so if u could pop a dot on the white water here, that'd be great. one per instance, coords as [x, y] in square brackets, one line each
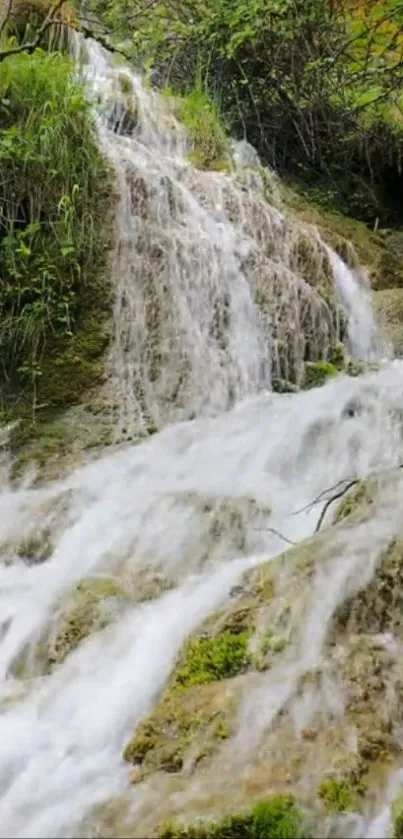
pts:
[362, 332]
[217, 291]
[203, 500]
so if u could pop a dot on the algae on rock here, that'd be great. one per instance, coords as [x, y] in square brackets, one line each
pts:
[185, 727]
[89, 608]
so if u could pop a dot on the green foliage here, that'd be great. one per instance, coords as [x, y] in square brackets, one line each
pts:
[315, 86]
[337, 795]
[277, 817]
[210, 659]
[54, 200]
[201, 117]
[317, 372]
[397, 818]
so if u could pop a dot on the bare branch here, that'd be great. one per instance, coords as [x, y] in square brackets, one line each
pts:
[319, 498]
[275, 533]
[31, 46]
[334, 498]
[349, 485]
[87, 32]
[6, 15]
[78, 26]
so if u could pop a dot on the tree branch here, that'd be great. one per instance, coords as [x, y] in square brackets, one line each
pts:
[6, 15]
[80, 26]
[31, 46]
[87, 32]
[334, 498]
[275, 533]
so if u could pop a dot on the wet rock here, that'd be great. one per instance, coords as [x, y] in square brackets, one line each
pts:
[352, 409]
[283, 386]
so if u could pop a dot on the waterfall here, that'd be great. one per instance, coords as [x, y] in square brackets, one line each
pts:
[213, 299]
[217, 291]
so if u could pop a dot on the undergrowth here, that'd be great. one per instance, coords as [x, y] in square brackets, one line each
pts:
[55, 196]
[200, 114]
[337, 795]
[277, 818]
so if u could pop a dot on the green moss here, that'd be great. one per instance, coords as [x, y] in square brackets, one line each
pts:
[263, 584]
[185, 727]
[193, 715]
[337, 795]
[211, 659]
[277, 817]
[317, 372]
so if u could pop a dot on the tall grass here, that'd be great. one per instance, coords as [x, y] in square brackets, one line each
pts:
[202, 117]
[54, 189]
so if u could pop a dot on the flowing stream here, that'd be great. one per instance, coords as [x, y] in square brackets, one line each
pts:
[225, 484]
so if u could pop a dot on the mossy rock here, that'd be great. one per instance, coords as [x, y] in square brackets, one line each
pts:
[372, 678]
[92, 605]
[192, 716]
[277, 817]
[388, 305]
[91, 609]
[355, 243]
[74, 369]
[378, 607]
[184, 728]
[356, 501]
[209, 659]
[312, 262]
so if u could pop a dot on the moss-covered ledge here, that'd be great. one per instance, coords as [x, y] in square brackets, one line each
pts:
[55, 240]
[351, 239]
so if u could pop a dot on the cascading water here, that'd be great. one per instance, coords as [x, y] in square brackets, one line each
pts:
[217, 291]
[209, 300]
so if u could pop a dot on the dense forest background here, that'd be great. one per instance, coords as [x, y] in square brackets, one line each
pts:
[315, 85]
